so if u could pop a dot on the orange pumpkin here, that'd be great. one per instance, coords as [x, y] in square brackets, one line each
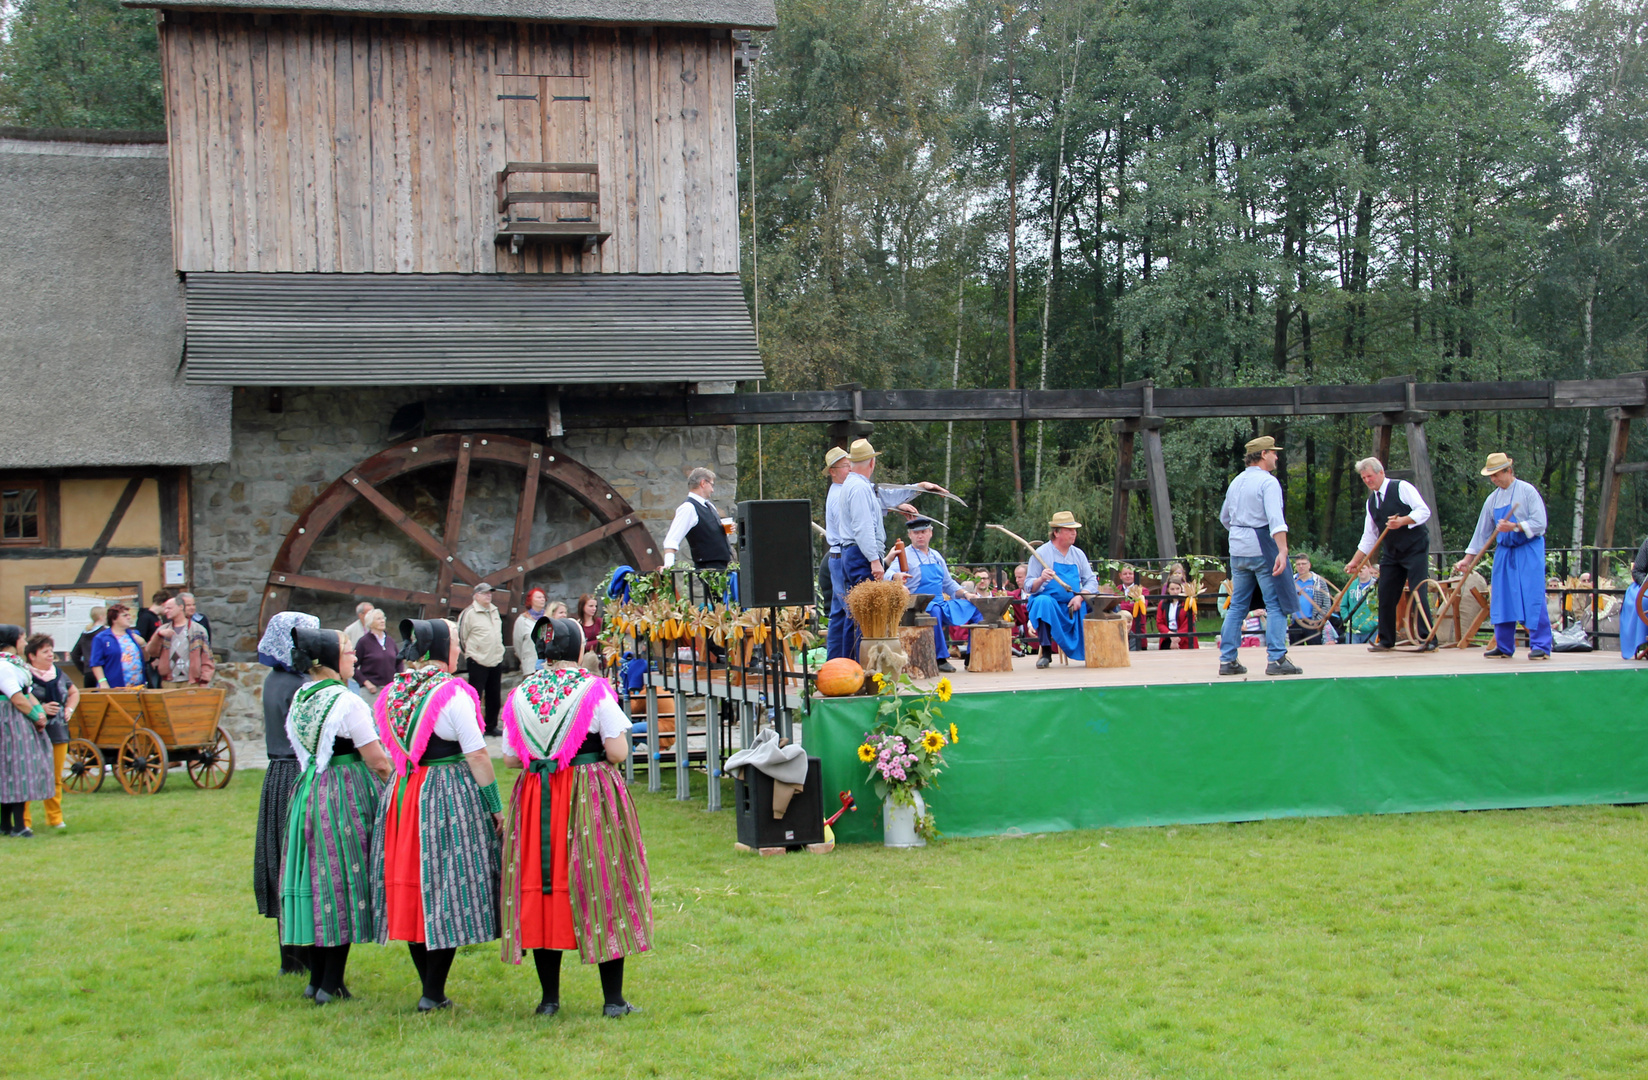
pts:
[840, 677]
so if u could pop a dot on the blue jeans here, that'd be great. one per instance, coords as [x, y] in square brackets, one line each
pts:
[834, 640]
[1249, 572]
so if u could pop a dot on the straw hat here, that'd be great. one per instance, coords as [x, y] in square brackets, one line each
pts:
[1261, 444]
[1495, 463]
[1064, 519]
[831, 456]
[862, 451]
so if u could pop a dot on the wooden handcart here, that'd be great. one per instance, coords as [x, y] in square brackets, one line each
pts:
[144, 734]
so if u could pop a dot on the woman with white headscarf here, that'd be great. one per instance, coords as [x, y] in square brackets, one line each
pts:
[283, 681]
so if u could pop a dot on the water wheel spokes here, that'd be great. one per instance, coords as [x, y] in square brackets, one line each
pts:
[82, 767]
[455, 579]
[142, 763]
[213, 764]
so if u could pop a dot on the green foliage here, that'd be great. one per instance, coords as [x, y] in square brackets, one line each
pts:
[80, 64]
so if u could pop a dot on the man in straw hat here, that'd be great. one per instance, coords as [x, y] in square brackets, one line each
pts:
[858, 540]
[1059, 573]
[931, 574]
[836, 466]
[1514, 513]
[1252, 511]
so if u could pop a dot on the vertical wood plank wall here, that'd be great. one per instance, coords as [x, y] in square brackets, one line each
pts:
[316, 144]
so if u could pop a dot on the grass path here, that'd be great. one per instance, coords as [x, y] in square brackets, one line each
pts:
[1436, 945]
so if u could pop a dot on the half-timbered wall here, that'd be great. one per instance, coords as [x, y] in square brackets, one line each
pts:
[312, 143]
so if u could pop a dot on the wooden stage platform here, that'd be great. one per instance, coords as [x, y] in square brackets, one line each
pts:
[1180, 667]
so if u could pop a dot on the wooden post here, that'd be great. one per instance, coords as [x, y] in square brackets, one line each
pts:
[917, 643]
[1106, 642]
[1118, 499]
[1619, 438]
[1419, 455]
[990, 648]
[1381, 437]
[1155, 465]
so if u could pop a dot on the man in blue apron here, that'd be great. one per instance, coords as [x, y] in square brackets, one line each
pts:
[1252, 512]
[1059, 574]
[1632, 632]
[929, 573]
[1514, 514]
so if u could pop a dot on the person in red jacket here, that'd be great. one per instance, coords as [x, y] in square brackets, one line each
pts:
[1176, 619]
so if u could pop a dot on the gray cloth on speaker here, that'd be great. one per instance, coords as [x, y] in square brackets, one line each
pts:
[786, 764]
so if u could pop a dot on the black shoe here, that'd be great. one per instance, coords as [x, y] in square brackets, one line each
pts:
[946, 666]
[1045, 661]
[493, 733]
[425, 1005]
[1496, 653]
[1376, 647]
[1538, 654]
[1232, 668]
[1284, 666]
[613, 1012]
[311, 991]
[323, 998]
[1431, 646]
[24, 833]
[548, 1008]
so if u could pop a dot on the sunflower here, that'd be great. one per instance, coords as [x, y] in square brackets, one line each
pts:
[944, 689]
[880, 680]
[932, 741]
[953, 736]
[866, 753]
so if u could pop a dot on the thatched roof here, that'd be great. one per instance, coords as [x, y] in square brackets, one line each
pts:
[752, 14]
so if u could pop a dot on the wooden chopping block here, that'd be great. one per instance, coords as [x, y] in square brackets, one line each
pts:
[990, 648]
[917, 643]
[1106, 641]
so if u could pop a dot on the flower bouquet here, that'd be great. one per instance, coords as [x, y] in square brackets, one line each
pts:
[905, 753]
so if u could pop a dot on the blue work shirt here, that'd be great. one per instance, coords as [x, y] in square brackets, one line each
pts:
[861, 512]
[1253, 501]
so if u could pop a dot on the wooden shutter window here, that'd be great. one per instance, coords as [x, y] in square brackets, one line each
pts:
[22, 513]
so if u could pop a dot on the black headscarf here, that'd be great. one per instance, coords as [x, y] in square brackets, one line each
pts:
[426, 639]
[10, 635]
[558, 639]
[311, 646]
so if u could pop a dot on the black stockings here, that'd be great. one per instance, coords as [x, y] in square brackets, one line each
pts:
[11, 817]
[548, 962]
[326, 964]
[294, 959]
[433, 967]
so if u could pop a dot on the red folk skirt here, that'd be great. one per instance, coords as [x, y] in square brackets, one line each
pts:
[545, 919]
[403, 860]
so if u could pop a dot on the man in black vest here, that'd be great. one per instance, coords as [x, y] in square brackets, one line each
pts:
[699, 524]
[1404, 557]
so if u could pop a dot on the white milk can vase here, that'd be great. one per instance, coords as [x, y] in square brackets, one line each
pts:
[898, 823]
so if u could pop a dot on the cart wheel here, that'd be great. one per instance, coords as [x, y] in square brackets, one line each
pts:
[82, 767]
[142, 764]
[1419, 628]
[213, 763]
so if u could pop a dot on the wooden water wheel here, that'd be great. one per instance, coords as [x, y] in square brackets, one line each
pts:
[453, 578]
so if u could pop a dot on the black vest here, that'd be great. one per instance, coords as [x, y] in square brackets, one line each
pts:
[1402, 544]
[708, 540]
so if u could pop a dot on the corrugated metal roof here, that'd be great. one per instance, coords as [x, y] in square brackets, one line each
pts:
[432, 329]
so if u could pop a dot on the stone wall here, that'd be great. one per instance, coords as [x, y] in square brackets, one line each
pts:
[280, 461]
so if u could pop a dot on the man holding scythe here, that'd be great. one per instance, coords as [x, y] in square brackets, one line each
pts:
[1396, 512]
[1513, 516]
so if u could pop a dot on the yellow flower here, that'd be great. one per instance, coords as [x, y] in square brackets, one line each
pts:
[880, 680]
[866, 753]
[953, 736]
[932, 741]
[944, 689]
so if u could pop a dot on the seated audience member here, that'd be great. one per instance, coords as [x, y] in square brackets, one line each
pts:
[1176, 619]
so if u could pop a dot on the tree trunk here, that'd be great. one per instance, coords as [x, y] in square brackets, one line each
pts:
[1584, 422]
[1013, 267]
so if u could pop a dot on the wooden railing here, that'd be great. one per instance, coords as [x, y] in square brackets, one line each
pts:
[583, 229]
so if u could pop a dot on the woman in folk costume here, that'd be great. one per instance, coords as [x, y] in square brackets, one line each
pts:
[25, 751]
[435, 848]
[325, 888]
[575, 870]
[274, 651]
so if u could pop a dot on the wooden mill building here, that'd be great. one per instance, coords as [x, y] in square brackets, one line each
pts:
[368, 320]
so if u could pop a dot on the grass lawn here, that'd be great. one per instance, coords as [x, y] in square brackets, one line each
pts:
[1435, 945]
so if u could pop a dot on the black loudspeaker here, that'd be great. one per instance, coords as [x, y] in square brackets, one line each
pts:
[775, 553]
[803, 820]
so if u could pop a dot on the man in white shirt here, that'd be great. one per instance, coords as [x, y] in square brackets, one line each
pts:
[699, 524]
[358, 629]
[1404, 557]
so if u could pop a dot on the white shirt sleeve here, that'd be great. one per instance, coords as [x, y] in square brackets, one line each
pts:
[686, 516]
[459, 722]
[1409, 494]
[1370, 531]
[611, 720]
[357, 720]
[11, 680]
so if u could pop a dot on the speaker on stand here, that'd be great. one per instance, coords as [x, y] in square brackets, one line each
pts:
[775, 553]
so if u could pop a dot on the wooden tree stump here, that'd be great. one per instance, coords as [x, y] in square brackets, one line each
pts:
[990, 648]
[917, 643]
[1106, 641]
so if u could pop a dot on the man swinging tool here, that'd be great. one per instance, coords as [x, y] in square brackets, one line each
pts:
[1513, 516]
[1397, 512]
